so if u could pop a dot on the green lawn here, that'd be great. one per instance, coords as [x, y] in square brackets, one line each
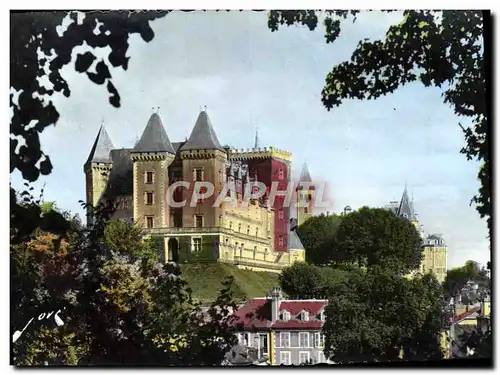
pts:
[206, 280]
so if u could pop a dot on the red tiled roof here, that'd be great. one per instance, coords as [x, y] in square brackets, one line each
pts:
[295, 307]
[298, 324]
[256, 314]
[465, 314]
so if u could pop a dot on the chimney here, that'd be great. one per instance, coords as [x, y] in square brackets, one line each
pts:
[276, 297]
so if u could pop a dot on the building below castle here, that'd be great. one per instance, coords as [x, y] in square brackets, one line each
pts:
[434, 248]
[136, 182]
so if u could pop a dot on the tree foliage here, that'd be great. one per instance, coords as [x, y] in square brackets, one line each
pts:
[316, 235]
[379, 316]
[458, 277]
[376, 237]
[306, 281]
[119, 305]
[443, 49]
[37, 50]
[300, 281]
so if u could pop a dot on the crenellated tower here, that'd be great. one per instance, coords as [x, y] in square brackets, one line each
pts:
[151, 158]
[305, 196]
[97, 168]
[268, 165]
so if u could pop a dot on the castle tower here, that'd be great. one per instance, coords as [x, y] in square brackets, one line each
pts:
[407, 210]
[203, 159]
[151, 157]
[97, 168]
[305, 196]
[271, 165]
[435, 257]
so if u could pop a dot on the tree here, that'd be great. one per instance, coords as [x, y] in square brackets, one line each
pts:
[316, 235]
[300, 281]
[443, 49]
[379, 316]
[458, 277]
[376, 237]
[305, 281]
[121, 306]
[34, 37]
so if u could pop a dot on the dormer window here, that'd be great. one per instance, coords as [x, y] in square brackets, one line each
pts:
[322, 315]
[304, 316]
[284, 315]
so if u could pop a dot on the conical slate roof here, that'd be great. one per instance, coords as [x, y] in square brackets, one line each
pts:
[406, 207]
[154, 138]
[305, 176]
[203, 135]
[100, 152]
[294, 241]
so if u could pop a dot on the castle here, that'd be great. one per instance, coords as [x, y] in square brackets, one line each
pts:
[261, 236]
[435, 250]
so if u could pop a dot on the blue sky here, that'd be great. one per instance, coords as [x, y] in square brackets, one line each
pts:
[248, 76]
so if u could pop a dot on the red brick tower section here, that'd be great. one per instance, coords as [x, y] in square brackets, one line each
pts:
[270, 165]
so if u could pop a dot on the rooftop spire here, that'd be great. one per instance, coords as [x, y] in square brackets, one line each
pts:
[406, 207]
[203, 135]
[100, 152]
[305, 176]
[154, 138]
[257, 137]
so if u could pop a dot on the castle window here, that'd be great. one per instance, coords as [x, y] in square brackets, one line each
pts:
[280, 214]
[178, 219]
[280, 240]
[198, 174]
[149, 198]
[230, 225]
[176, 175]
[309, 197]
[254, 251]
[201, 194]
[196, 244]
[281, 174]
[149, 177]
[198, 221]
[239, 227]
[305, 210]
[248, 230]
[149, 222]
[256, 232]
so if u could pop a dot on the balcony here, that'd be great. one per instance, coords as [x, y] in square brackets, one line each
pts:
[258, 263]
[208, 230]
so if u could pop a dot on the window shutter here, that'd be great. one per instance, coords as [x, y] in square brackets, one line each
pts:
[145, 198]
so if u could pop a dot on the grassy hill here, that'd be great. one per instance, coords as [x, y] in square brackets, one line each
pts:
[206, 280]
